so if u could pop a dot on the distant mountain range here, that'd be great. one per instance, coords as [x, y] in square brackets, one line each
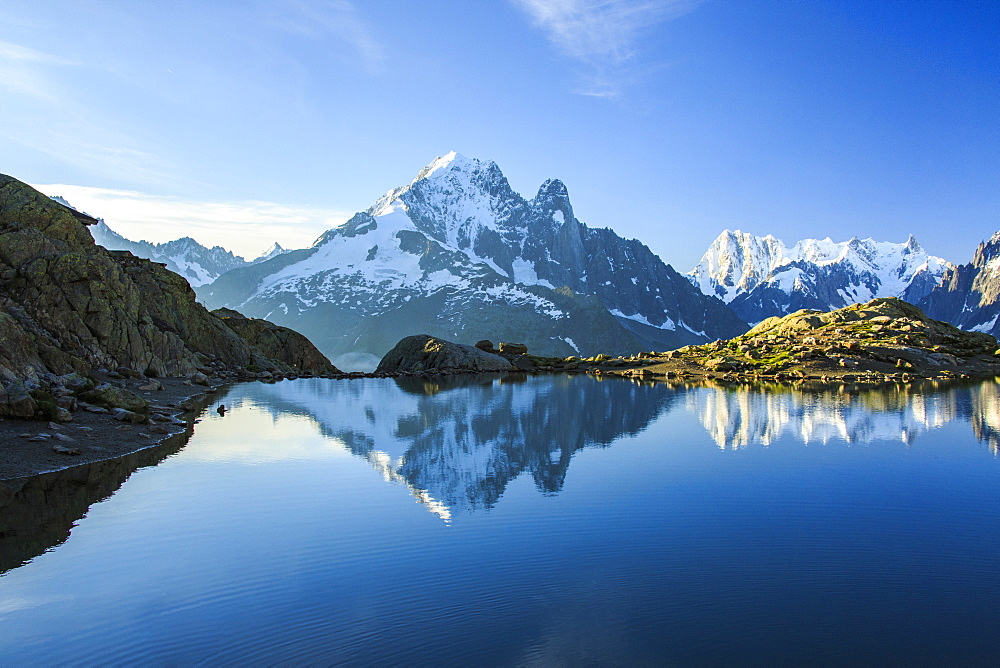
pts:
[760, 277]
[185, 256]
[459, 255]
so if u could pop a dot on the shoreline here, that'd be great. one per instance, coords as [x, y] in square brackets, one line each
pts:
[100, 438]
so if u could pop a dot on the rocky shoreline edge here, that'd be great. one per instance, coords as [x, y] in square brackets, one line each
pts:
[174, 410]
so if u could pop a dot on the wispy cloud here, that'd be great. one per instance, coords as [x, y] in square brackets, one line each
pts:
[46, 114]
[245, 227]
[337, 19]
[603, 35]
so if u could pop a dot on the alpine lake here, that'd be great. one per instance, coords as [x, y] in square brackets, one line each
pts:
[524, 520]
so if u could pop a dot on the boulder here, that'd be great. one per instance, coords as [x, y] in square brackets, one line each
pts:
[722, 364]
[113, 397]
[514, 348]
[16, 402]
[486, 345]
[427, 353]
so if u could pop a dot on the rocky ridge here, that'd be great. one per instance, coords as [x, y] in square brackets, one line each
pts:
[72, 313]
[885, 339]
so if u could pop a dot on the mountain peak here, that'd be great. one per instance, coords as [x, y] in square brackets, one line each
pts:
[552, 188]
[447, 162]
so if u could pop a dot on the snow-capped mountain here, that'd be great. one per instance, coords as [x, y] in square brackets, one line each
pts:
[761, 277]
[185, 256]
[458, 254]
[273, 251]
[969, 294]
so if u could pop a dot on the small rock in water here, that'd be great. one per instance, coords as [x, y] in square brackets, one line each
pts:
[63, 450]
[40, 438]
[221, 410]
[65, 438]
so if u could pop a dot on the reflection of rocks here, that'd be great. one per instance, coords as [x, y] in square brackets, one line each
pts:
[741, 416]
[38, 513]
[458, 441]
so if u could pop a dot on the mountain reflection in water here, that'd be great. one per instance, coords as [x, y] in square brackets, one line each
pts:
[456, 442]
[739, 417]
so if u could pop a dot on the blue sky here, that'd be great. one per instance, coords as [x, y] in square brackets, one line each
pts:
[245, 122]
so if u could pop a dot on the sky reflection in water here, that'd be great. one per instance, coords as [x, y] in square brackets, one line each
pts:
[695, 525]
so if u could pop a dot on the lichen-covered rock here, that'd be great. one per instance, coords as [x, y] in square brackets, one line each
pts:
[514, 348]
[426, 353]
[722, 364]
[279, 343]
[880, 336]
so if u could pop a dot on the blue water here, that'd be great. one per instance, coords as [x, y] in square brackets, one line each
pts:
[548, 521]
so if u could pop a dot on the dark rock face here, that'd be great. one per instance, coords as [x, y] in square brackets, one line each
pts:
[68, 305]
[279, 343]
[969, 295]
[426, 353]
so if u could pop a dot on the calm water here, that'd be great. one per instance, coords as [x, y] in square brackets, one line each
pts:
[546, 521]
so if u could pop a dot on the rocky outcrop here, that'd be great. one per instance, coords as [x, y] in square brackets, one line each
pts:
[422, 353]
[68, 306]
[279, 343]
[884, 337]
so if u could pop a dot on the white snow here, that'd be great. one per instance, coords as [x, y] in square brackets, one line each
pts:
[737, 262]
[524, 273]
[987, 326]
[570, 342]
[668, 324]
